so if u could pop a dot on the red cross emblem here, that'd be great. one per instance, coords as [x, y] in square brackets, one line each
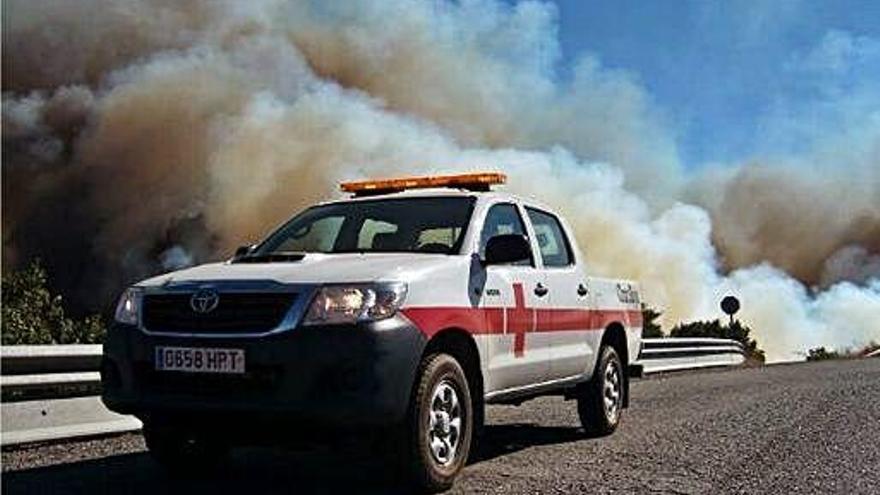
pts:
[519, 320]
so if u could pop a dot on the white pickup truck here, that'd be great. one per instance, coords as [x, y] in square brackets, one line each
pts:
[401, 310]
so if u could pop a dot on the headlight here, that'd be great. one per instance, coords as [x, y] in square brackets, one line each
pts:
[340, 304]
[129, 305]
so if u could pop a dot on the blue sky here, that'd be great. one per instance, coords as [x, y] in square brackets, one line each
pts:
[736, 79]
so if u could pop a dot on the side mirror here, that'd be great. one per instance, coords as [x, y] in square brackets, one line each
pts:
[242, 251]
[507, 248]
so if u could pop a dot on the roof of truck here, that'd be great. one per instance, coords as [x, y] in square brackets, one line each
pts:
[444, 192]
[476, 185]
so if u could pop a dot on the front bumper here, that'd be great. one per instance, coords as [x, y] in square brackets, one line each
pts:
[342, 376]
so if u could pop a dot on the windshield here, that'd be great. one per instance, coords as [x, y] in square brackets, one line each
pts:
[423, 225]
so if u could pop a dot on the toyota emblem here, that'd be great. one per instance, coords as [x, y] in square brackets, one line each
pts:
[204, 301]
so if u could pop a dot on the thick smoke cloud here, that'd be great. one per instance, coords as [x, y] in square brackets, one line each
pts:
[142, 137]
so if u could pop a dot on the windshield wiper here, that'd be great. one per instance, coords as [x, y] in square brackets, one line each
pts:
[279, 257]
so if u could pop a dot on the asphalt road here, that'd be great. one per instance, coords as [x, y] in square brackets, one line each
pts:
[806, 428]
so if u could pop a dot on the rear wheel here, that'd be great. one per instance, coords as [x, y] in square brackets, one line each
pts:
[440, 424]
[183, 451]
[600, 402]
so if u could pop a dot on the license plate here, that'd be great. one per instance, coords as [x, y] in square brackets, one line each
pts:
[200, 360]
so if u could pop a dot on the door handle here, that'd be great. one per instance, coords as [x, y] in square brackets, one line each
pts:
[541, 290]
[582, 290]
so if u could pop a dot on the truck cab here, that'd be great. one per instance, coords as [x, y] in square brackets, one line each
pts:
[404, 308]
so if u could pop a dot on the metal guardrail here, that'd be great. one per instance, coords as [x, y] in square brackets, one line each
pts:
[51, 392]
[674, 354]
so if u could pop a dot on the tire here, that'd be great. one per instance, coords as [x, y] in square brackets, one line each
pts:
[182, 451]
[600, 402]
[437, 444]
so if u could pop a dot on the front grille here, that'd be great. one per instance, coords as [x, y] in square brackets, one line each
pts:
[236, 312]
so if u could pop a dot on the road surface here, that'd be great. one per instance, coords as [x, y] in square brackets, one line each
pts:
[804, 428]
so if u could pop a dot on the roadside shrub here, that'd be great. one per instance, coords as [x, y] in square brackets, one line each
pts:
[650, 327]
[871, 347]
[824, 354]
[714, 328]
[32, 315]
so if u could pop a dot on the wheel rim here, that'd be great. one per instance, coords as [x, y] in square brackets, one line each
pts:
[445, 423]
[612, 390]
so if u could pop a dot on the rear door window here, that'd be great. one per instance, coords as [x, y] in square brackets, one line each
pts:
[552, 241]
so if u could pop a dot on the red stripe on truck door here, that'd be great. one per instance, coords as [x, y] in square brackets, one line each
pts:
[431, 320]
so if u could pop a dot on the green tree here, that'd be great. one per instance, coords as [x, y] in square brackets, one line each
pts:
[650, 328]
[32, 315]
[714, 328]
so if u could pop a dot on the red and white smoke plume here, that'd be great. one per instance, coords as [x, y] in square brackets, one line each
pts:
[146, 136]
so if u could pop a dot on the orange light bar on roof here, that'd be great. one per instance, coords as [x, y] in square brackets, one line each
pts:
[471, 182]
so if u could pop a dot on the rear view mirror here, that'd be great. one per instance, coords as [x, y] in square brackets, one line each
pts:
[507, 248]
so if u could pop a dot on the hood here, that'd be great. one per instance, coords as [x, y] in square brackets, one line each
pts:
[318, 268]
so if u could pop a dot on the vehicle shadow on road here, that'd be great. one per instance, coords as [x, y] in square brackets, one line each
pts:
[500, 440]
[262, 471]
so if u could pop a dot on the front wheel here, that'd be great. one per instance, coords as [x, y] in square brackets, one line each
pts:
[440, 424]
[600, 402]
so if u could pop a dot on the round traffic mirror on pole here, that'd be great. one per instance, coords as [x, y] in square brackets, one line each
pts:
[730, 305]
